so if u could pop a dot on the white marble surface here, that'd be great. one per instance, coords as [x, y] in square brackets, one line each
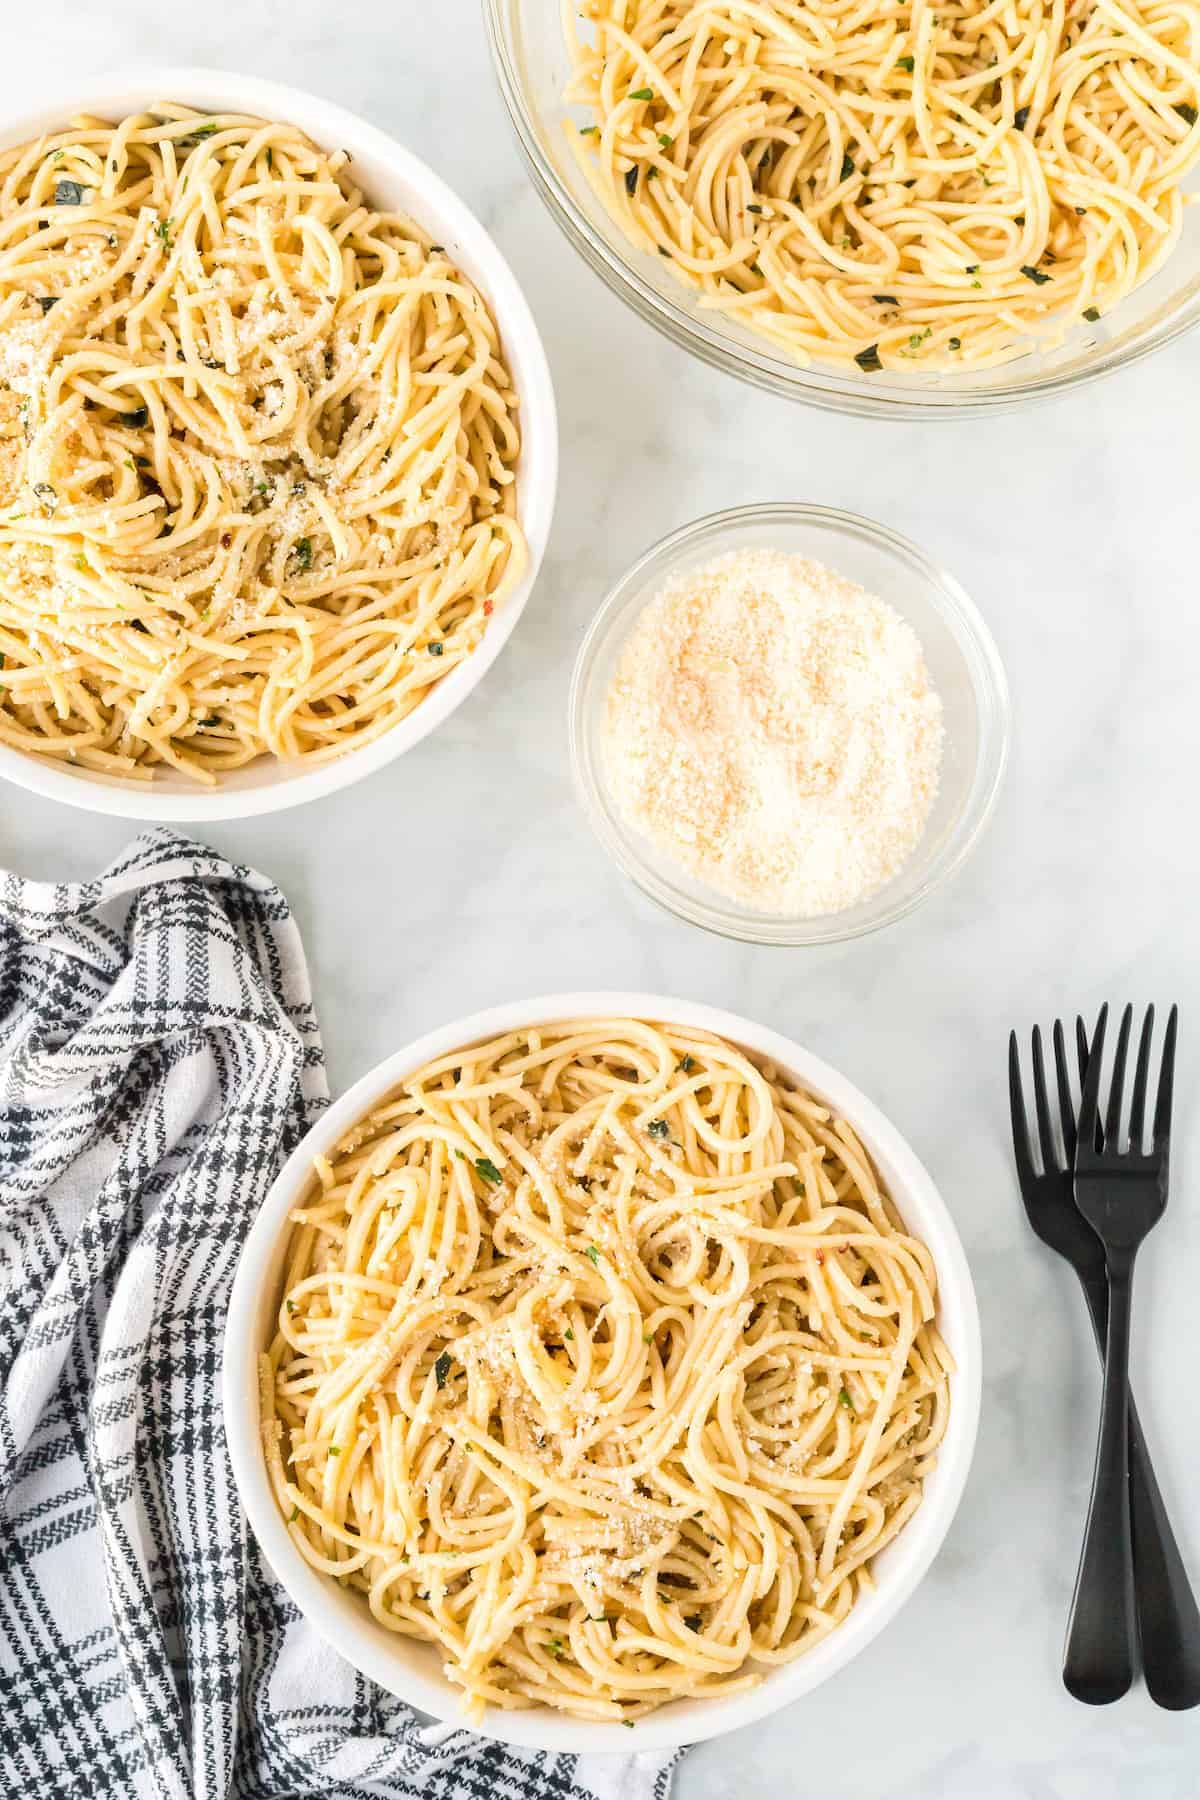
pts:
[464, 874]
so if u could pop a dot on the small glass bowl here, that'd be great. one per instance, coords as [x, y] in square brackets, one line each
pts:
[964, 667]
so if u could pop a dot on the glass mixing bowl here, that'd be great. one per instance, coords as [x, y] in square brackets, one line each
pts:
[532, 64]
[964, 666]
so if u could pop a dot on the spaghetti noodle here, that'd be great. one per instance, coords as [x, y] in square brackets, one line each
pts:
[257, 450]
[909, 184]
[604, 1363]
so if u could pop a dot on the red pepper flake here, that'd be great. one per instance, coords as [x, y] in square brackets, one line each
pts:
[489, 608]
[821, 1258]
[226, 539]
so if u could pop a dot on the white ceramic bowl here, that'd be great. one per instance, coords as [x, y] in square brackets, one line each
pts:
[390, 177]
[411, 1669]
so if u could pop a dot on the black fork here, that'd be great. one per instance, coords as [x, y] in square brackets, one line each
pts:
[1167, 1614]
[1121, 1190]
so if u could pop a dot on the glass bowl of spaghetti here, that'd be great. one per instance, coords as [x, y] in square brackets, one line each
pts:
[528, 1317]
[908, 214]
[279, 448]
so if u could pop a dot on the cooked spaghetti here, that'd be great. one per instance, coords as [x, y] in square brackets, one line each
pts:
[906, 184]
[257, 450]
[604, 1362]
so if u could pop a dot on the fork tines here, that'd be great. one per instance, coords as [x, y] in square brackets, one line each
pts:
[1115, 1144]
[1053, 1160]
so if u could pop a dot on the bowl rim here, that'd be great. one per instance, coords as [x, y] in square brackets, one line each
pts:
[327, 121]
[810, 384]
[985, 667]
[914, 1551]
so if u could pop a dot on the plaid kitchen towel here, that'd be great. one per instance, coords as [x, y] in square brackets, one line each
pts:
[159, 1055]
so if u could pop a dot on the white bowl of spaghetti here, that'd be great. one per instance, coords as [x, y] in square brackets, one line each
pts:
[621, 1361]
[278, 448]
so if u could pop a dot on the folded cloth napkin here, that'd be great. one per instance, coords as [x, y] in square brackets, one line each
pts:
[159, 1055]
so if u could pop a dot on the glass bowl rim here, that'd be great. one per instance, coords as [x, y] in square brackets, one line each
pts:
[985, 670]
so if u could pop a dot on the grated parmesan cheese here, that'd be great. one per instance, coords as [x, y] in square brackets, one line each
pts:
[772, 728]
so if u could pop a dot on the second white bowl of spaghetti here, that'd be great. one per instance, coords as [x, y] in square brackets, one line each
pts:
[603, 1372]
[278, 449]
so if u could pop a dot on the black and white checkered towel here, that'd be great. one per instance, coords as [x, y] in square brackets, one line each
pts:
[159, 1054]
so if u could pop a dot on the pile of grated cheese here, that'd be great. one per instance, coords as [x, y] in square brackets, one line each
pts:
[772, 728]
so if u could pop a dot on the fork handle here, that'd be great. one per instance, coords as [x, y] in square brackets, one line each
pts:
[1100, 1656]
[1168, 1617]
